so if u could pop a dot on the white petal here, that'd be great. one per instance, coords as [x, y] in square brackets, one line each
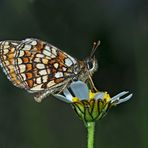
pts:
[124, 99]
[68, 95]
[80, 90]
[62, 98]
[99, 95]
[117, 99]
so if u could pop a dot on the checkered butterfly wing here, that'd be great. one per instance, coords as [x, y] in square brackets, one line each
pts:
[7, 53]
[38, 66]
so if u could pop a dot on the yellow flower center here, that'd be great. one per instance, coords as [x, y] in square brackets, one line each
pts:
[106, 97]
[75, 99]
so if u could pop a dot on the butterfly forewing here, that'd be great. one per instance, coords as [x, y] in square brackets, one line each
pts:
[40, 66]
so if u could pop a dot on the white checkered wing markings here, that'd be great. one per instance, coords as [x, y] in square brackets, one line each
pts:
[7, 53]
[49, 66]
[24, 62]
[53, 61]
[59, 67]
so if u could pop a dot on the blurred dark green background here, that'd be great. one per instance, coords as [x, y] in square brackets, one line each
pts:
[122, 27]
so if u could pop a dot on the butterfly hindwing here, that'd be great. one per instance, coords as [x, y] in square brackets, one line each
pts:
[7, 54]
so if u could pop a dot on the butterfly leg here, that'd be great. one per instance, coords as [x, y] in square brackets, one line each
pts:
[62, 89]
[39, 96]
[92, 85]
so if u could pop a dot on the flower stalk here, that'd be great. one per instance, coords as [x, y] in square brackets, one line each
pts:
[90, 134]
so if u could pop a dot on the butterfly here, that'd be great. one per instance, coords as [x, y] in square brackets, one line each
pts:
[41, 68]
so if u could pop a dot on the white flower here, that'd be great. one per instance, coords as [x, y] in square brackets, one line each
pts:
[89, 105]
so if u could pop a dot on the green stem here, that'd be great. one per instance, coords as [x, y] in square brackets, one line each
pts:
[90, 132]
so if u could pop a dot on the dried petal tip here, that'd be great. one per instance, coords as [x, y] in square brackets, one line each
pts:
[117, 99]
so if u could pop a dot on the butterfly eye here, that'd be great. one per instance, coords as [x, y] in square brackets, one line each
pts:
[90, 64]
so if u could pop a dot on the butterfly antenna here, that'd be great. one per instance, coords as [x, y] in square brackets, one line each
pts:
[95, 46]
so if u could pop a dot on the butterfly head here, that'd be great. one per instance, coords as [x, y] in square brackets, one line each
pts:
[91, 65]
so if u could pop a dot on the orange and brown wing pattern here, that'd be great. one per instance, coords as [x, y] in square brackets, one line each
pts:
[7, 54]
[40, 66]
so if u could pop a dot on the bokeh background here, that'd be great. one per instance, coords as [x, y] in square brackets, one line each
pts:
[122, 27]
